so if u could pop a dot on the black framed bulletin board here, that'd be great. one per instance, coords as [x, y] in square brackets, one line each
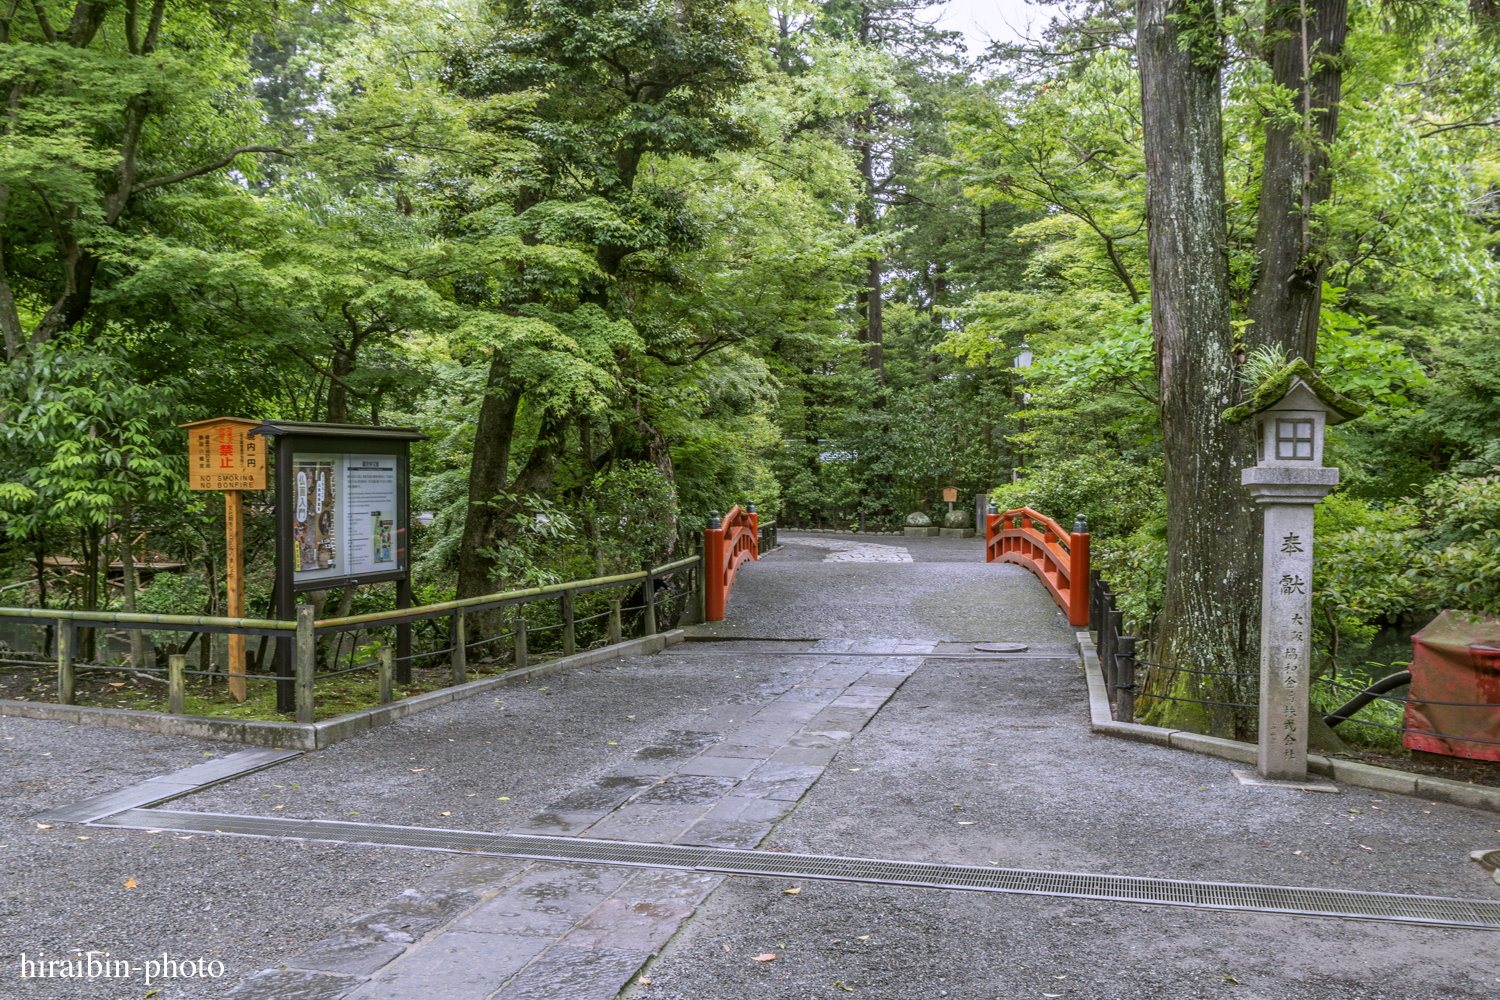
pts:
[343, 519]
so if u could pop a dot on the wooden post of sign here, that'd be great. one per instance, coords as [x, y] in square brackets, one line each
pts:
[223, 455]
[234, 550]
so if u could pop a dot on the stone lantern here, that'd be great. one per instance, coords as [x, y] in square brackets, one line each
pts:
[1291, 410]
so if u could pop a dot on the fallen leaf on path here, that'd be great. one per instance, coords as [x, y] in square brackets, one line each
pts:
[856, 769]
[188, 837]
[1363, 847]
[1059, 977]
[445, 814]
[967, 822]
[644, 981]
[1297, 853]
[863, 937]
[792, 892]
[1231, 979]
[44, 826]
[416, 770]
[278, 807]
[130, 883]
[85, 838]
[1333, 862]
[767, 957]
[727, 948]
[503, 798]
[841, 986]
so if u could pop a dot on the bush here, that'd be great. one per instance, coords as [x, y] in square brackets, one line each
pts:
[1115, 497]
[1135, 567]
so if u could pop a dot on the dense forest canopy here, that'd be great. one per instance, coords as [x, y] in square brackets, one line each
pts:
[630, 261]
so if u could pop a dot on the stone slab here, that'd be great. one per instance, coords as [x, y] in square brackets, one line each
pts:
[725, 833]
[1137, 732]
[570, 973]
[1253, 778]
[658, 824]
[561, 824]
[456, 965]
[633, 925]
[544, 902]
[813, 757]
[1240, 753]
[1459, 793]
[739, 750]
[412, 914]
[1382, 779]
[293, 984]
[352, 958]
[723, 767]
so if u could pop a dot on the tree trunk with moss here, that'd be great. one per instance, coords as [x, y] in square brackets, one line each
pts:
[1212, 578]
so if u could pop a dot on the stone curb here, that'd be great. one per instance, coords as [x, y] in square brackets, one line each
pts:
[301, 736]
[1380, 779]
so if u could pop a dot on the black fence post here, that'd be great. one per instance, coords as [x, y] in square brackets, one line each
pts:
[1096, 591]
[1125, 670]
[1114, 619]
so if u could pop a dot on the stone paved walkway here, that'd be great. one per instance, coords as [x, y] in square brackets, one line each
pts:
[970, 761]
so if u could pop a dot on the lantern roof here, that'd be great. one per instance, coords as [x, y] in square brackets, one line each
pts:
[1296, 379]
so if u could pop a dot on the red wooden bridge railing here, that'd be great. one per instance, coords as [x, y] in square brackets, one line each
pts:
[1059, 559]
[727, 543]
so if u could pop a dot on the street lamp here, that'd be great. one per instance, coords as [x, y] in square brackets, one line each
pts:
[1021, 363]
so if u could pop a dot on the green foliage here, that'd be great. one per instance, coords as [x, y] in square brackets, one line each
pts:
[542, 527]
[1135, 567]
[1114, 497]
[89, 439]
[631, 511]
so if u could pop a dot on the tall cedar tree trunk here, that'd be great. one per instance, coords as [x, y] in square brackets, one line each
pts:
[1211, 551]
[867, 301]
[1307, 61]
[487, 477]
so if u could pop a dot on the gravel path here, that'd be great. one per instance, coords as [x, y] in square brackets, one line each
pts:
[985, 762]
[991, 763]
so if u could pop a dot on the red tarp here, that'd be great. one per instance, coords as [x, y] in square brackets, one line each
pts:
[1456, 658]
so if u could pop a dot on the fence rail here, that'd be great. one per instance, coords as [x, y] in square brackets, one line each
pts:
[1059, 559]
[296, 686]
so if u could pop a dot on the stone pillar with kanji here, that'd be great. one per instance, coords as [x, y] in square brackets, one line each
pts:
[1291, 410]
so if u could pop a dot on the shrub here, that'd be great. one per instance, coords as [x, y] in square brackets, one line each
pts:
[1115, 497]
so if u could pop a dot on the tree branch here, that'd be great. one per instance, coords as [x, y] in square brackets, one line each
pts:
[207, 167]
[46, 25]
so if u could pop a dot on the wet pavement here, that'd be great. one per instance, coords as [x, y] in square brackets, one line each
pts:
[980, 761]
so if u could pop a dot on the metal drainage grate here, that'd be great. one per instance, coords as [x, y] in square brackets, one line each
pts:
[1432, 910]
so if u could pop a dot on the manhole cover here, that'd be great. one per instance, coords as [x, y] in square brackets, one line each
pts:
[1000, 647]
